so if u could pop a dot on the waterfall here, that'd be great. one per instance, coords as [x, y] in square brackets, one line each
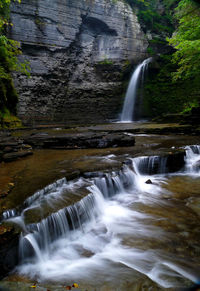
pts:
[131, 94]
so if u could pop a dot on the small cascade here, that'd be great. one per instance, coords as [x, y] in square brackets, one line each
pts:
[131, 94]
[50, 190]
[9, 214]
[57, 225]
[61, 223]
[192, 159]
[150, 165]
[89, 236]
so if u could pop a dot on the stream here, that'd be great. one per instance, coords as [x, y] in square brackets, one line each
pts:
[128, 222]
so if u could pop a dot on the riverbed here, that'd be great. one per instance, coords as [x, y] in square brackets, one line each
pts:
[130, 234]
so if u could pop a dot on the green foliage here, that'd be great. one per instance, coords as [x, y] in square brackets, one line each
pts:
[151, 17]
[9, 49]
[186, 40]
[150, 51]
[9, 52]
[4, 13]
[164, 96]
[187, 107]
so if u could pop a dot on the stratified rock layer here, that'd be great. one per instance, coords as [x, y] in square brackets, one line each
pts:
[78, 52]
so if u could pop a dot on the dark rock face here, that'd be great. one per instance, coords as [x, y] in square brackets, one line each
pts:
[80, 140]
[77, 51]
[9, 242]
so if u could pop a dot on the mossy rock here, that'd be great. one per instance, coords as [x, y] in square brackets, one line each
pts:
[8, 120]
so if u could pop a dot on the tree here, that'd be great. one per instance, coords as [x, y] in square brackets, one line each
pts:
[186, 40]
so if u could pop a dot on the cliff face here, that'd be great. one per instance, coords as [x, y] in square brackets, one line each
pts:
[78, 50]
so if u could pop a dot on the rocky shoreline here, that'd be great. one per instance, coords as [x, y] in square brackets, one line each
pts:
[98, 136]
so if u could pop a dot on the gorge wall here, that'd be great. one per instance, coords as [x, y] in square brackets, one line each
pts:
[78, 51]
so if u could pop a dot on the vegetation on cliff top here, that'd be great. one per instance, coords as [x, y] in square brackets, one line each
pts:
[155, 15]
[180, 21]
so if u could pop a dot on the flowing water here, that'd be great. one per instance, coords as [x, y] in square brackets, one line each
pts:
[131, 94]
[138, 223]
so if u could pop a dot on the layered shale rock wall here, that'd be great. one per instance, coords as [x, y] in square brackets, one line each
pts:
[78, 51]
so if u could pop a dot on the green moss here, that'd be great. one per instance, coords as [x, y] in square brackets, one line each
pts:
[126, 64]
[8, 120]
[40, 23]
[105, 62]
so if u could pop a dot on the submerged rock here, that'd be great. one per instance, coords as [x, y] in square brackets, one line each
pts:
[9, 157]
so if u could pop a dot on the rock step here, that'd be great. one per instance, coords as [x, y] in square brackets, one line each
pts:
[80, 141]
[12, 148]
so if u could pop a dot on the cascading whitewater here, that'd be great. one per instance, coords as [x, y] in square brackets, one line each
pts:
[151, 165]
[192, 159]
[60, 224]
[54, 248]
[50, 190]
[131, 94]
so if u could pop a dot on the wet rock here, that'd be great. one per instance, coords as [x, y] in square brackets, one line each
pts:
[8, 149]
[148, 181]
[80, 140]
[128, 162]
[175, 161]
[12, 148]
[73, 175]
[9, 240]
[4, 192]
[194, 204]
[9, 157]
[1, 155]
[94, 175]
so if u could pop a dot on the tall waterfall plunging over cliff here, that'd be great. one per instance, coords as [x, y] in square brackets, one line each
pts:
[67, 50]
[131, 94]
